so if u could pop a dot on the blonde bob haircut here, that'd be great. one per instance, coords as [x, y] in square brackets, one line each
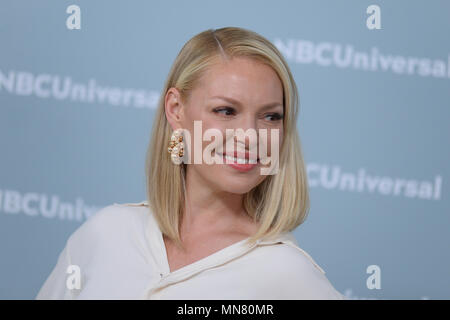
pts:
[280, 203]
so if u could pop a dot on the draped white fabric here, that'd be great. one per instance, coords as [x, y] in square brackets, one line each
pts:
[121, 255]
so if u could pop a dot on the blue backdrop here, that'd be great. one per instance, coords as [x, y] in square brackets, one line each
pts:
[76, 109]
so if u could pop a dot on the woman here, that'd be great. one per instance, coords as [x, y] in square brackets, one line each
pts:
[208, 230]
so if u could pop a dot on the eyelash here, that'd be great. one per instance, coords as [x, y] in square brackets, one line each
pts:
[228, 109]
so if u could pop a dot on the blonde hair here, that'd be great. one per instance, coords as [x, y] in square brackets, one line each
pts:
[281, 202]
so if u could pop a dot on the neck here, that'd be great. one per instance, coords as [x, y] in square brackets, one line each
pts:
[207, 209]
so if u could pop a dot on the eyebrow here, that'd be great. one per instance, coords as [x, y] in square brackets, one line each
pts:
[236, 102]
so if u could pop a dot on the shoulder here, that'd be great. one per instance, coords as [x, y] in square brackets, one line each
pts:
[109, 224]
[296, 273]
[291, 259]
[115, 216]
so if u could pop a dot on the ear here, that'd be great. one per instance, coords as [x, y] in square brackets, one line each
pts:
[173, 108]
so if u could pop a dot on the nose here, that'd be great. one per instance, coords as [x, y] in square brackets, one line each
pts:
[246, 132]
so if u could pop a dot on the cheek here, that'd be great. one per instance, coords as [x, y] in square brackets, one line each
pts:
[213, 137]
[277, 137]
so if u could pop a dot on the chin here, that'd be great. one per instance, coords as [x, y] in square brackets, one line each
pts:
[237, 184]
[222, 178]
[236, 189]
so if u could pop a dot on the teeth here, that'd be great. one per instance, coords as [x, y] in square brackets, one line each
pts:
[239, 160]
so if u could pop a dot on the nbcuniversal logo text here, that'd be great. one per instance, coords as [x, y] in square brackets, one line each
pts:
[34, 204]
[333, 177]
[23, 83]
[340, 55]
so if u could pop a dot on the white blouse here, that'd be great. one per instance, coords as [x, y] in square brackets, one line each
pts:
[119, 253]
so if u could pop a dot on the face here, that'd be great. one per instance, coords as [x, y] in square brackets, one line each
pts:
[238, 94]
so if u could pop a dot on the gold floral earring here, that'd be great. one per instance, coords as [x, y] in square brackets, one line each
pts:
[176, 146]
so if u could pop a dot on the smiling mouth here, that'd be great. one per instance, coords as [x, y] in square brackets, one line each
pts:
[238, 160]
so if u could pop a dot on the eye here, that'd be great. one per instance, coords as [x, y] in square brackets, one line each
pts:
[274, 116]
[227, 111]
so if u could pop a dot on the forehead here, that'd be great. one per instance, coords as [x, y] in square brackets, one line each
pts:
[247, 80]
